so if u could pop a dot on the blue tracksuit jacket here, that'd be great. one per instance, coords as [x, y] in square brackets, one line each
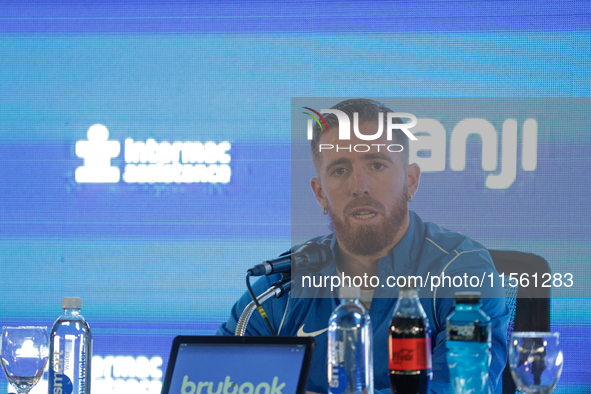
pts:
[426, 249]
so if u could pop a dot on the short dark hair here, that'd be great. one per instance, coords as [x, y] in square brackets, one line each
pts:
[368, 112]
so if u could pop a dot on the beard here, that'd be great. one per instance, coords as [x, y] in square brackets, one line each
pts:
[370, 240]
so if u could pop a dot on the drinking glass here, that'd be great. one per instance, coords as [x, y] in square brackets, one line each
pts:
[24, 355]
[536, 360]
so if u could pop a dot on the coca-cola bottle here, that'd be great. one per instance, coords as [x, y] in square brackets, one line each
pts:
[409, 345]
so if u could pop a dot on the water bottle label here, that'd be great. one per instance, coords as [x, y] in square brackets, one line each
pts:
[339, 380]
[59, 382]
[468, 332]
[409, 354]
[67, 387]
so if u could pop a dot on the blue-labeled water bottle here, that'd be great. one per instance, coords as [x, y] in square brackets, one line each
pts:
[468, 343]
[70, 351]
[350, 351]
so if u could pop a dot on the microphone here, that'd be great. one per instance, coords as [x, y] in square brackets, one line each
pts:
[311, 256]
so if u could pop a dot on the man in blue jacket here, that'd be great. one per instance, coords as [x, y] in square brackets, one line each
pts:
[366, 193]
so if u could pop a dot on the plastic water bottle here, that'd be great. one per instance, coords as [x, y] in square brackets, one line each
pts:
[468, 343]
[350, 351]
[70, 351]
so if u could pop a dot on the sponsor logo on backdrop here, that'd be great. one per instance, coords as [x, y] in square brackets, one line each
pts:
[119, 375]
[151, 161]
[430, 151]
[127, 374]
[429, 145]
[97, 153]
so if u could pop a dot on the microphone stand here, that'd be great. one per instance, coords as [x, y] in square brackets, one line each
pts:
[277, 290]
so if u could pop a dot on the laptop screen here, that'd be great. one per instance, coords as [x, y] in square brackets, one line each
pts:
[237, 368]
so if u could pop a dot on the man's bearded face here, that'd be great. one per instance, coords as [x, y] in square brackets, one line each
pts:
[369, 240]
[366, 192]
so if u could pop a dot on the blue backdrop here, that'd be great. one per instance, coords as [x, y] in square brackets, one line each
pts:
[156, 259]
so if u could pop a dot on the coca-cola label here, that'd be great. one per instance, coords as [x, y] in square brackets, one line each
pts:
[409, 354]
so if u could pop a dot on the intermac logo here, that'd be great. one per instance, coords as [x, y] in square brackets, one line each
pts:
[152, 161]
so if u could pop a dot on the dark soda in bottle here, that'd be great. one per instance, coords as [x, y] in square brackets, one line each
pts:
[409, 346]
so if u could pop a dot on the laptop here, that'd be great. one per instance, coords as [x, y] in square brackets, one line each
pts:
[238, 365]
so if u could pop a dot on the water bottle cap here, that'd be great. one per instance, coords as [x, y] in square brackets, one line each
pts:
[467, 297]
[349, 292]
[72, 303]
